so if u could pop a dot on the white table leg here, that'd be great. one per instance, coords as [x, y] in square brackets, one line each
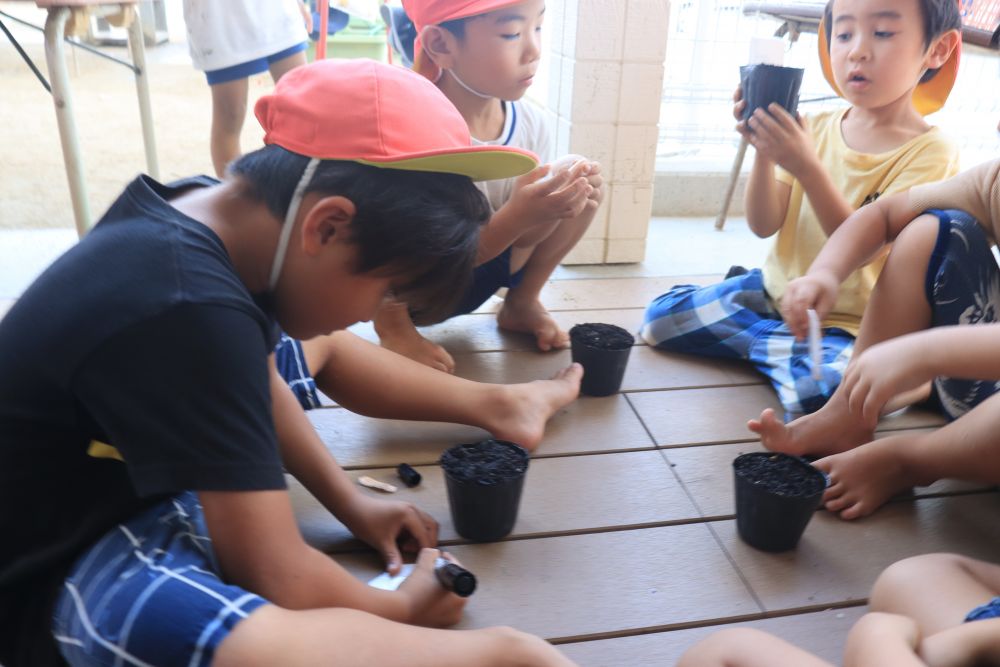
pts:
[62, 97]
[138, 50]
[734, 177]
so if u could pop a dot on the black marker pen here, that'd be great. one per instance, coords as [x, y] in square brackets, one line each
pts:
[455, 578]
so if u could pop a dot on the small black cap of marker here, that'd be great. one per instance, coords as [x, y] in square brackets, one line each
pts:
[455, 578]
[406, 473]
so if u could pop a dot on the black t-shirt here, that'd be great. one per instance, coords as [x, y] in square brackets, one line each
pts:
[144, 338]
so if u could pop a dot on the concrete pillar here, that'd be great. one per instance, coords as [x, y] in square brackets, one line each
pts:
[605, 91]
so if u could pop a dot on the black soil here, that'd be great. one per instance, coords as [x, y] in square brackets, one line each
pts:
[601, 336]
[780, 474]
[487, 462]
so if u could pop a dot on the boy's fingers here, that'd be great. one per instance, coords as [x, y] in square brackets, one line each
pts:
[426, 558]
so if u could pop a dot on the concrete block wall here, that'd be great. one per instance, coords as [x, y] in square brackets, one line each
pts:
[605, 86]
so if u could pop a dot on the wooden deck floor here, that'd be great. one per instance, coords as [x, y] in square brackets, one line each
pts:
[625, 550]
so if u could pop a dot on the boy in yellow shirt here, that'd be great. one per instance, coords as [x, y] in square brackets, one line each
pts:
[893, 60]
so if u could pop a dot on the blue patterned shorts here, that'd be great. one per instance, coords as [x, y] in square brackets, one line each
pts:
[291, 363]
[149, 593]
[962, 287]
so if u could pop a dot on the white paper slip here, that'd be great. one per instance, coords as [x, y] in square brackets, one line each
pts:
[815, 344]
[387, 582]
[767, 51]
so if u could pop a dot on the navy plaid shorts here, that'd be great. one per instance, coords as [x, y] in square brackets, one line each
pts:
[963, 287]
[291, 363]
[149, 593]
[735, 319]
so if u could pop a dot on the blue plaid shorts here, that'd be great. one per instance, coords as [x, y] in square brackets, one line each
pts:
[149, 593]
[291, 363]
[963, 287]
[735, 319]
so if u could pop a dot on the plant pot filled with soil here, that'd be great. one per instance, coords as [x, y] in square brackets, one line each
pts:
[602, 350]
[484, 481]
[763, 84]
[776, 496]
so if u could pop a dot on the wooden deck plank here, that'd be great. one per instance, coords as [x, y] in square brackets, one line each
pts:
[702, 416]
[821, 633]
[838, 560]
[601, 293]
[579, 585]
[479, 333]
[623, 489]
[716, 415]
[587, 425]
[707, 474]
[647, 369]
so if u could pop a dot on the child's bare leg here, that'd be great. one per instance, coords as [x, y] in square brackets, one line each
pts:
[746, 647]
[279, 68]
[522, 310]
[863, 479]
[350, 638]
[396, 332]
[898, 306]
[375, 382]
[935, 590]
[229, 110]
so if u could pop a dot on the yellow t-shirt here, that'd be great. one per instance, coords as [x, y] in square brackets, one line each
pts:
[861, 178]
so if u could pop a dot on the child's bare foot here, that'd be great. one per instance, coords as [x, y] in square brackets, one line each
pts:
[418, 348]
[532, 318]
[866, 477]
[831, 430]
[522, 410]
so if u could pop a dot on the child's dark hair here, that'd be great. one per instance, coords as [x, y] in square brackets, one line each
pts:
[455, 27]
[939, 16]
[422, 226]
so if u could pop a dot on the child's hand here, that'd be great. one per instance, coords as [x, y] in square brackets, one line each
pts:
[565, 195]
[883, 371]
[817, 291]
[739, 104]
[429, 603]
[782, 139]
[385, 524]
[596, 181]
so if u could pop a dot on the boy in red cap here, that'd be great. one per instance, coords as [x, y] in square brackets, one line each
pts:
[893, 61]
[483, 54]
[144, 432]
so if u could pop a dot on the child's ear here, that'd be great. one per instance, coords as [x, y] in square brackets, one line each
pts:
[941, 49]
[328, 220]
[440, 45]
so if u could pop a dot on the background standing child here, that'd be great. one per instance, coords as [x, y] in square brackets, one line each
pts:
[143, 501]
[941, 276]
[892, 60]
[233, 40]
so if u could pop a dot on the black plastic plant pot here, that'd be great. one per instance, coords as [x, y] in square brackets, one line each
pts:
[484, 481]
[602, 350]
[776, 496]
[763, 84]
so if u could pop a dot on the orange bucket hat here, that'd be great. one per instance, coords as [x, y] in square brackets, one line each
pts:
[434, 12]
[378, 115]
[928, 96]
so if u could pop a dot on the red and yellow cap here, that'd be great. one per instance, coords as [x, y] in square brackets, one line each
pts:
[379, 115]
[928, 97]
[434, 12]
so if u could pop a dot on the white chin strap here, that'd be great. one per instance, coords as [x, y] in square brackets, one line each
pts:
[286, 229]
[467, 87]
